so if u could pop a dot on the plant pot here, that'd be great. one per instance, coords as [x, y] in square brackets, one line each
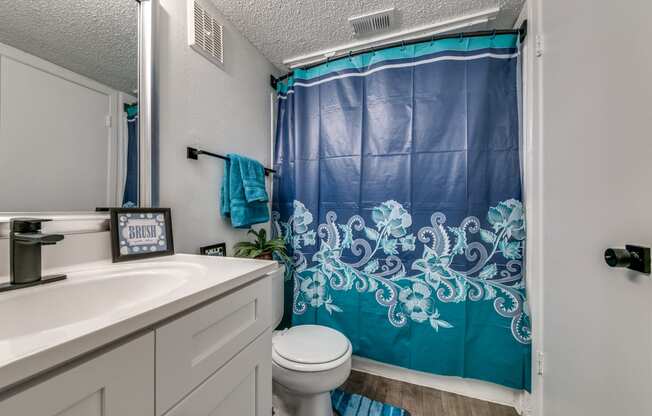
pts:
[265, 256]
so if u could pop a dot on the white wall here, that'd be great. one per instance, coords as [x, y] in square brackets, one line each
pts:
[593, 181]
[201, 105]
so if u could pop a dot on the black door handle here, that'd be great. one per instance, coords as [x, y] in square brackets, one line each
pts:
[633, 257]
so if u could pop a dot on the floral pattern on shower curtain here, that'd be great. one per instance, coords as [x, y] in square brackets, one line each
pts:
[398, 194]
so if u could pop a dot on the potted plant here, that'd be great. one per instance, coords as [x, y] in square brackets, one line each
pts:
[262, 248]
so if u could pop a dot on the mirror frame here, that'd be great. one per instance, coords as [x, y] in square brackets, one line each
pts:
[82, 222]
[148, 109]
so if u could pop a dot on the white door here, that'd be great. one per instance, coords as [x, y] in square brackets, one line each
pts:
[55, 137]
[595, 78]
[117, 383]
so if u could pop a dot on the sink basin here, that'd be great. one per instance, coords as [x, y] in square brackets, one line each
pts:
[42, 327]
[87, 296]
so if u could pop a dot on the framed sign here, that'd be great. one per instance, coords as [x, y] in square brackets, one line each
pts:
[138, 233]
[214, 250]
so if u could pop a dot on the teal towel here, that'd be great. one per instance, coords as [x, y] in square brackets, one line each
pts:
[253, 180]
[243, 197]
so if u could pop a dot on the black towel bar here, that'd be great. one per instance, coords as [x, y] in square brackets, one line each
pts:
[193, 154]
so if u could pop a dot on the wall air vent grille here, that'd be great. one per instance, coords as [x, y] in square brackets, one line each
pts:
[205, 32]
[372, 22]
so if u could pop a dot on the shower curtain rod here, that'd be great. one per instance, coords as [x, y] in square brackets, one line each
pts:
[522, 32]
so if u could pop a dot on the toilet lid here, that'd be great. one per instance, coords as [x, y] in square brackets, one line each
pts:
[310, 344]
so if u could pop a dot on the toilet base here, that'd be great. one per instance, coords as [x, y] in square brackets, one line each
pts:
[316, 405]
[303, 405]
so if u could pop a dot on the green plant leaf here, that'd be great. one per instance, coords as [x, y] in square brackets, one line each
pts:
[261, 246]
[243, 244]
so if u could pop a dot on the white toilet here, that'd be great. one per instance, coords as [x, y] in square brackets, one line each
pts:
[308, 361]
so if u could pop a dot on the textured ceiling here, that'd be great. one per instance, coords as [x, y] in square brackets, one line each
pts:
[285, 29]
[95, 38]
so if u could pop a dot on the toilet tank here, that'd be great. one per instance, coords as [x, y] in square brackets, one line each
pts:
[278, 295]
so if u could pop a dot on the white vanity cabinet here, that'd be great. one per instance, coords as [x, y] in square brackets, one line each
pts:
[212, 359]
[242, 387]
[119, 382]
[220, 353]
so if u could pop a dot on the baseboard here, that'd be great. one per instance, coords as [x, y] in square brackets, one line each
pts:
[466, 387]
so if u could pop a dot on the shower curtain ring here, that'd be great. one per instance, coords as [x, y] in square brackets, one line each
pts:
[461, 37]
[402, 45]
[493, 34]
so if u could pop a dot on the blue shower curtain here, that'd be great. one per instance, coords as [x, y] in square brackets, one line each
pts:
[399, 196]
[130, 197]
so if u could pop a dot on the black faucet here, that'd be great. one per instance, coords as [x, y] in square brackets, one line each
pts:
[25, 241]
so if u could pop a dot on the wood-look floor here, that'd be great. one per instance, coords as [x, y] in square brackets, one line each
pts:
[421, 401]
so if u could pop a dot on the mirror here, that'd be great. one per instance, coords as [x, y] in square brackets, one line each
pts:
[69, 109]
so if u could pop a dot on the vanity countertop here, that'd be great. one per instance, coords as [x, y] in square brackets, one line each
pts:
[45, 326]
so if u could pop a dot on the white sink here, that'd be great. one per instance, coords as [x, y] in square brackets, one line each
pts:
[86, 296]
[44, 326]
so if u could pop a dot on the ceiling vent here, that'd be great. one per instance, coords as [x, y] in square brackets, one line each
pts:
[205, 32]
[372, 22]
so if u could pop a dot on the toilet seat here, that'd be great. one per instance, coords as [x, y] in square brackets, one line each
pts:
[308, 362]
[310, 348]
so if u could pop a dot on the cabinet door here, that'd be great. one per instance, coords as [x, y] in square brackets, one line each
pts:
[119, 382]
[243, 387]
[191, 348]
